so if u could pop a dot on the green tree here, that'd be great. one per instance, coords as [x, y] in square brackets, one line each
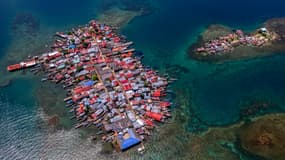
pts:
[72, 41]
[79, 68]
[94, 78]
[85, 44]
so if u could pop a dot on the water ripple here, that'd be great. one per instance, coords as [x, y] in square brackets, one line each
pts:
[21, 139]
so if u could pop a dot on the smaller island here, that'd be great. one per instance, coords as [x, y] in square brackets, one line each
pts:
[221, 43]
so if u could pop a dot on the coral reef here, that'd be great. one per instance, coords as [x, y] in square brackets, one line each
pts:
[5, 83]
[117, 17]
[144, 6]
[264, 137]
[26, 23]
[53, 121]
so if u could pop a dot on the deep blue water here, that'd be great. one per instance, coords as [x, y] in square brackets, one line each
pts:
[225, 93]
[217, 90]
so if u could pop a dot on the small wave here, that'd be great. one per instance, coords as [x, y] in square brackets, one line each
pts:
[20, 138]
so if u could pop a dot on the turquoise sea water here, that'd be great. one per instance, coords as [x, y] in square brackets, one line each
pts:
[218, 91]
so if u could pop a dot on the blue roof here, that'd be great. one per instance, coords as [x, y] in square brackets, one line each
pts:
[72, 46]
[131, 141]
[88, 83]
[86, 103]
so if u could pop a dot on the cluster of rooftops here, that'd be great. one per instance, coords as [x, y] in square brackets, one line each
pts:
[226, 44]
[107, 85]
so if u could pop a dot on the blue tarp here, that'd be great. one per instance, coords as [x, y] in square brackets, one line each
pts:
[131, 141]
[88, 83]
[72, 46]
[86, 103]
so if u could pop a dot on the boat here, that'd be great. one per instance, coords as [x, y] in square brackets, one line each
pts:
[22, 65]
[61, 35]
[99, 112]
[141, 150]
[73, 117]
[44, 79]
[14, 67]
[29, 63]
[78, 125]
[67, 99]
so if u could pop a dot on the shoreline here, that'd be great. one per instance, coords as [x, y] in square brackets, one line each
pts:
[61, 124]
[275, 46]
[107, 86]
[160, 146]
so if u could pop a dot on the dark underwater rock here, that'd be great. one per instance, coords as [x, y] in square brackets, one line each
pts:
[26, 23]
[264, 137]
[53, 121]
[5, 83]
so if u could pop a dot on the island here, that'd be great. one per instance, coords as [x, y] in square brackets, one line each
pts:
[221, 43]
[107, 85]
